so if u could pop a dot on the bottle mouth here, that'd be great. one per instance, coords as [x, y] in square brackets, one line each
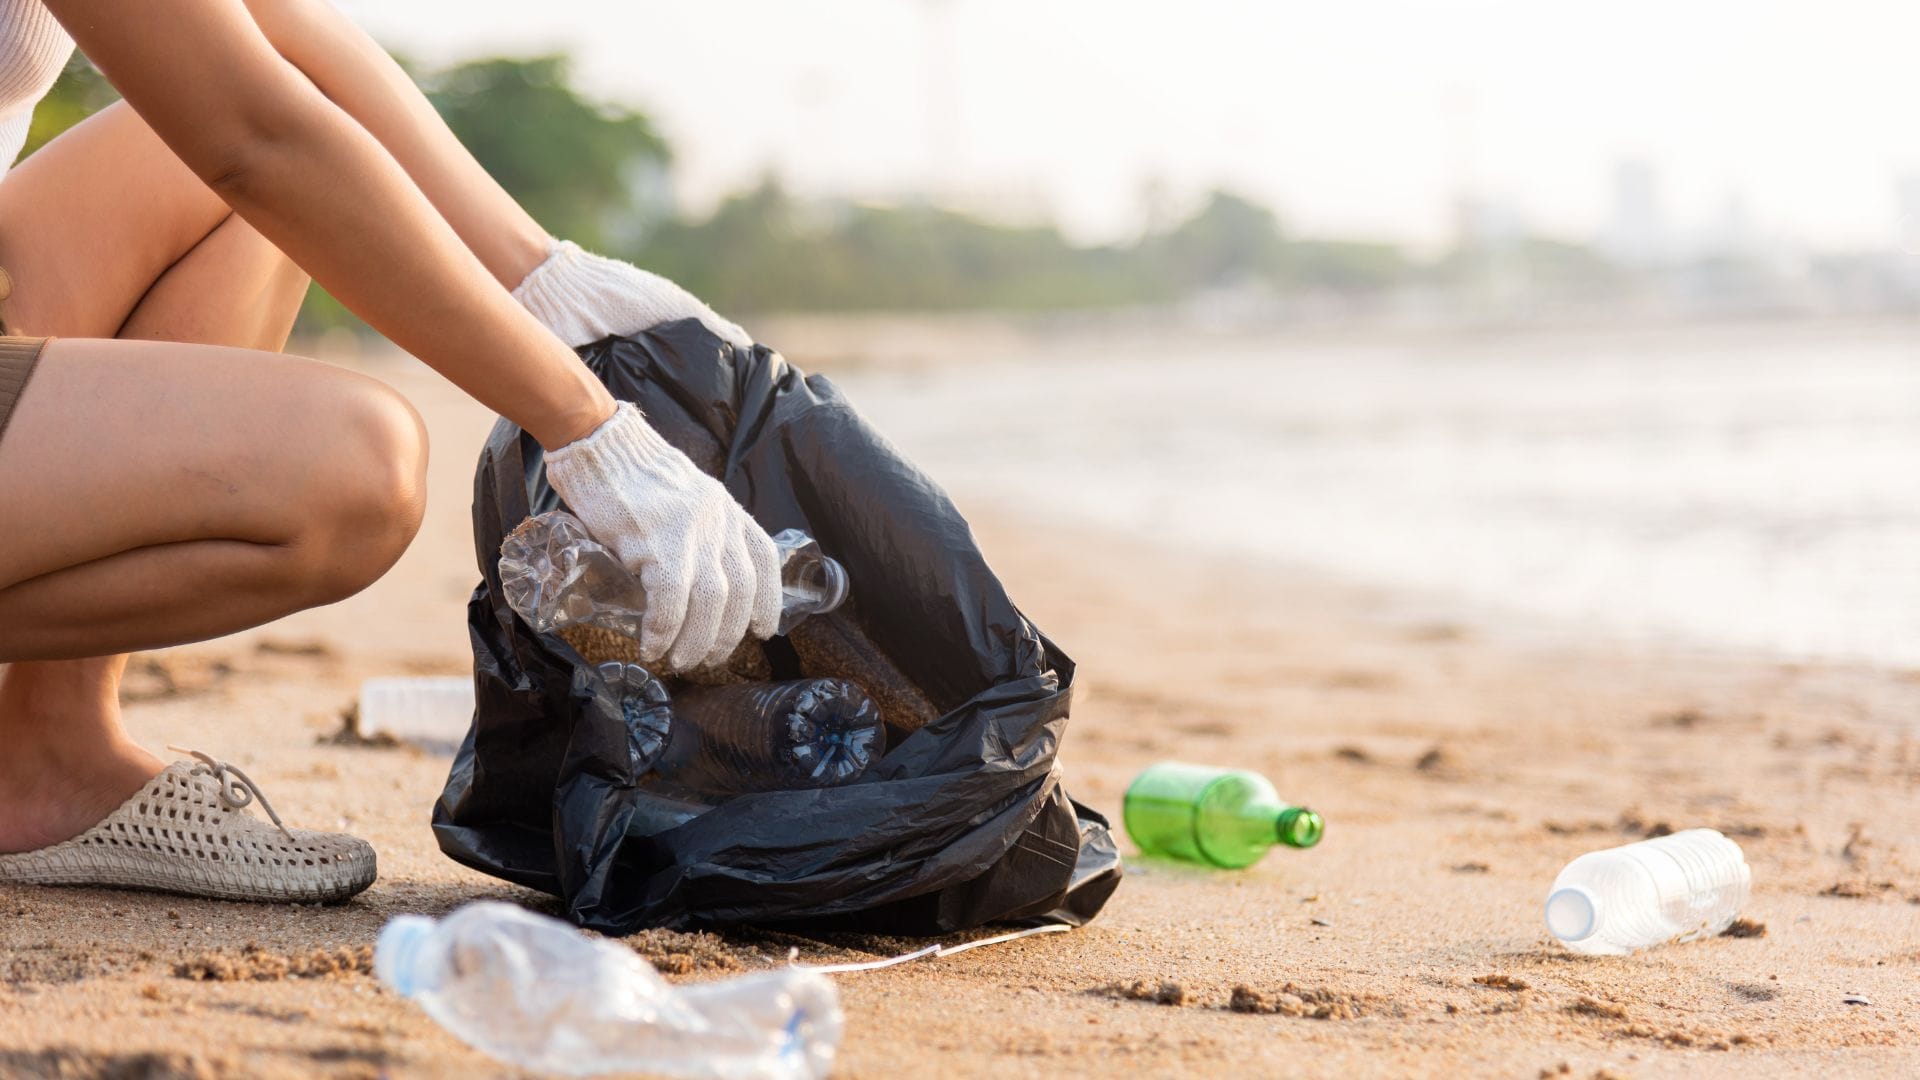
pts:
[395, 950]
[833, 579]
[1300, 827]
[1572, 914]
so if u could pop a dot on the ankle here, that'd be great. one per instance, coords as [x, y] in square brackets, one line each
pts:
[69, 689]
[60, 714]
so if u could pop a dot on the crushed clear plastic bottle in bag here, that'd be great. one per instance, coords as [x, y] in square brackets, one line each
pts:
[554, 576]
[1673, 888]
[533, 992]
[773, 736]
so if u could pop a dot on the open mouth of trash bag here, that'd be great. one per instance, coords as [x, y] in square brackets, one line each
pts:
[962, 822]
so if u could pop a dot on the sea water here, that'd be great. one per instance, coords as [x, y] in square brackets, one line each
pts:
[1745, 487]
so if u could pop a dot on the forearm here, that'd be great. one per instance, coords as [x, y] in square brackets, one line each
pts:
[341, 208]
[579, 296]
[314, 182]
[356, 74]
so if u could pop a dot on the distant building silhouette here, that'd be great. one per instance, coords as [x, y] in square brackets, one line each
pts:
[1636, 233]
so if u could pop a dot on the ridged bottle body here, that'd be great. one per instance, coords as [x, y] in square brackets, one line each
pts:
[1222, 817]
[773, 736]
[430, 709]
[1673, 888]
[532, 991]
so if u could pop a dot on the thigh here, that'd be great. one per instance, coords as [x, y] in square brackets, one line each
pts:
[92, 219]
[232, 288]
[118, 445]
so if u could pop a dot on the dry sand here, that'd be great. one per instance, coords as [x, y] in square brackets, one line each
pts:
[1458, 768]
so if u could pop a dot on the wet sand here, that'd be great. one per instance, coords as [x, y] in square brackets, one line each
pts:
[1458, 767]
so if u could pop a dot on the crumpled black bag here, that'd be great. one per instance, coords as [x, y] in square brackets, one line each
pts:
[965, 821]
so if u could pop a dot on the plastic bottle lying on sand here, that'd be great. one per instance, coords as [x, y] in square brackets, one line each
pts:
[1224, 817]
[432, 710]
[773, 736]
[554, 576]
[1674, 888]
[533, 992]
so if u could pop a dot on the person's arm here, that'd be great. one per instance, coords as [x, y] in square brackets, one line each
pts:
[580, 296]
[315, 183]
[356, 74]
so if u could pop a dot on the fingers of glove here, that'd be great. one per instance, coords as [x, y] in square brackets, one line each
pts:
[766, 578]
[738, 566]
[673, 301]
[706, 599]
[668, 587]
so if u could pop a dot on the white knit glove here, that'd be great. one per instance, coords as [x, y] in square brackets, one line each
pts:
[710, 571]
[583, 297]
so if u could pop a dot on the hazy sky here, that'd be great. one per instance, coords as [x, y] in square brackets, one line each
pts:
[1353, 117]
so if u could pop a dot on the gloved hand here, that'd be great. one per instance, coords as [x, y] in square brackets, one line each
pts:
[583, 297]
[710, 572]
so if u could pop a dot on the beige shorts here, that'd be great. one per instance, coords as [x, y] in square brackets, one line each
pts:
[17, 357]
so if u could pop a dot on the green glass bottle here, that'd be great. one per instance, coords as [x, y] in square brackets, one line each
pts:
[1222, 817]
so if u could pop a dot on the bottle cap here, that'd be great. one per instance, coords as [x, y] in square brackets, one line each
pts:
[1572, 914]
[396, 949]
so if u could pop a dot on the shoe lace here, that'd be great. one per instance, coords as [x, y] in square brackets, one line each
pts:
[237, 789]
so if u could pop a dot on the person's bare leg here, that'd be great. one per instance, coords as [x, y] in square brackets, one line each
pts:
[205, 517]
[69, 761]
[54, 788]
[233, 288]
[92, 220]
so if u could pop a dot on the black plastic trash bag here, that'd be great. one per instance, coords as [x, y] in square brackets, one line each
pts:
[962, 823]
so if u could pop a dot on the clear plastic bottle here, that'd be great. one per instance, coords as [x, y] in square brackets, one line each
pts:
[554, 576]
[773, 736]
[1674, 888]
[432, 710]
[1225, 817]
[631, 693]
[534, 992]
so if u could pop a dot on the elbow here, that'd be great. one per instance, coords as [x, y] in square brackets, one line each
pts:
[232, 175]
[237, 165]
[242, 155]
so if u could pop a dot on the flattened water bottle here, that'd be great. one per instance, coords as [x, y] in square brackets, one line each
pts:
[554, 576]
[1673, 888]
[1223, 817]
[532, 991]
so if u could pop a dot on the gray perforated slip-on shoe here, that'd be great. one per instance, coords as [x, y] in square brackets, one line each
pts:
[187, 831]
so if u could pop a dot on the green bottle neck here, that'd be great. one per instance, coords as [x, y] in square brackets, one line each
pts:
[1294, 826]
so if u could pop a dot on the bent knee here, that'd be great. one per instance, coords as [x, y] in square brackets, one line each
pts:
[382, 466]
[374, 493]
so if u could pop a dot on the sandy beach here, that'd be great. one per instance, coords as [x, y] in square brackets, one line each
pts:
[1458, 764]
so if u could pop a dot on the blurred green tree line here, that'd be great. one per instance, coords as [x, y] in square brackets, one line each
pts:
[596, 173]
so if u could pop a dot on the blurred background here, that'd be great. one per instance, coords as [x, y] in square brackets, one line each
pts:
[1584, 318]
